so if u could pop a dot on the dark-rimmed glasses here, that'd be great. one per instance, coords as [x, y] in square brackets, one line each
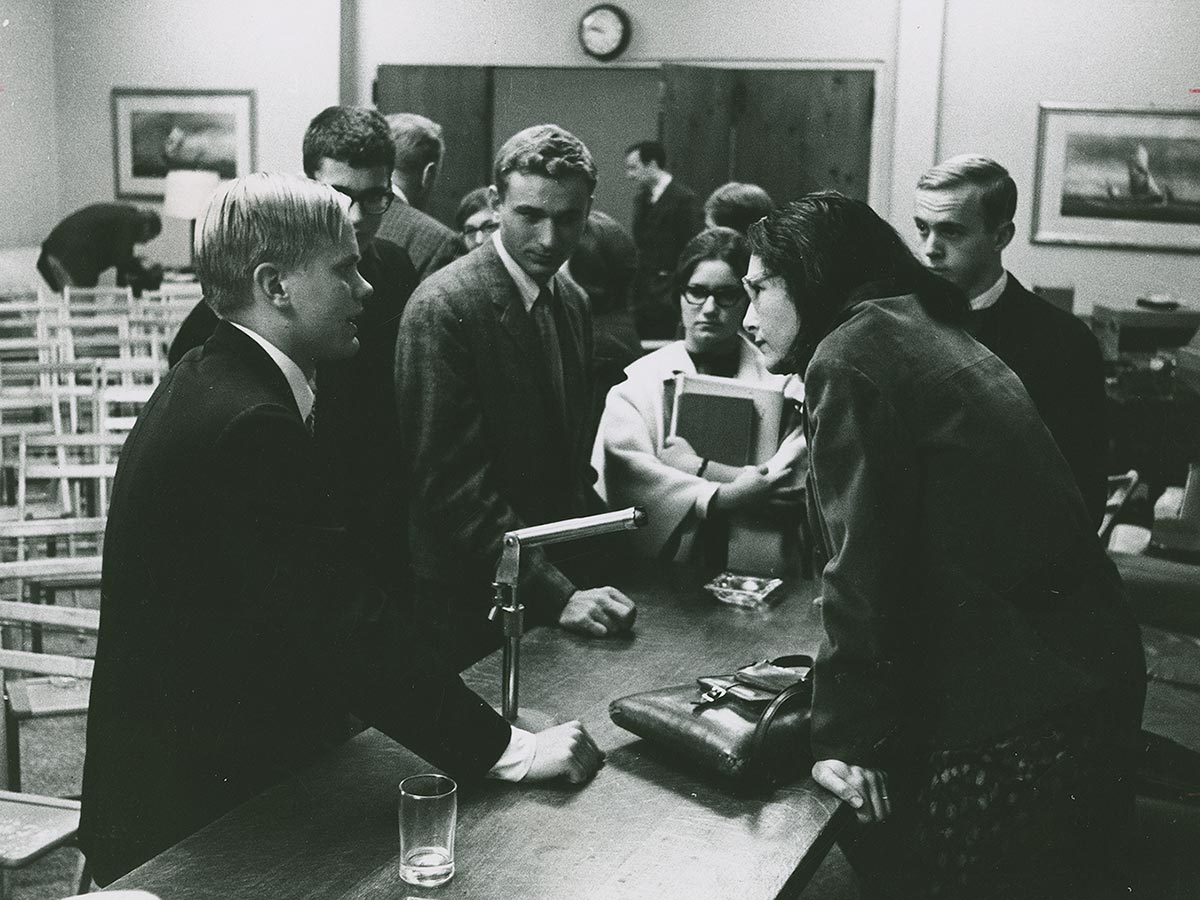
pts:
[725, 297]
[374, 202]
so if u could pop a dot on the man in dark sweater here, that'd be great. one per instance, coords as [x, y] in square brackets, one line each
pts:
[93, 240]
[666, 215]
[964, 212]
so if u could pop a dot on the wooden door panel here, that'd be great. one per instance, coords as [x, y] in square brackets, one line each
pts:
[697, 125]
[799, 131]
[459, 98]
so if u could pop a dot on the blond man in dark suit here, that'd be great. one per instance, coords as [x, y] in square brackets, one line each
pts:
[237, 630]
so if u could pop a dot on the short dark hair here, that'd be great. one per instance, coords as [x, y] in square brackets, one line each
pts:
[827, 248]
[605, 263]
[151, 225]
[719, 244]
[356, 135]
[998, 196]
[472, 202]
[649, 151]
[544, 150]
[737, 205]
[418, 141]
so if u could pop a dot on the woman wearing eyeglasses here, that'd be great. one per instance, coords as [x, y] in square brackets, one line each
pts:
[688, 497]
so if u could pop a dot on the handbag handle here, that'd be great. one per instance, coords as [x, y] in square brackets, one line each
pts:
[758, 742]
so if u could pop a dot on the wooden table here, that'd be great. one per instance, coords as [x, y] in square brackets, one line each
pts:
[645, 827]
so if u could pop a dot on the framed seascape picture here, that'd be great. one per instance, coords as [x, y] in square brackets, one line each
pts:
[1127, 178]
[155, 131]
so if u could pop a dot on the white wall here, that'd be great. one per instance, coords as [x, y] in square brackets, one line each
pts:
[1003, 59]
[285, 51]
[29, 173]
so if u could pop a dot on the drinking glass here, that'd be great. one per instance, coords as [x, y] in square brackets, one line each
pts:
[428, 814]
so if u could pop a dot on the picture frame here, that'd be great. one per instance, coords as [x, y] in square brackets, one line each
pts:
[1118, 178]
[156, 130]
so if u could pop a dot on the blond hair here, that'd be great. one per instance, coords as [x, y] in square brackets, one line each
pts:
[263, 217]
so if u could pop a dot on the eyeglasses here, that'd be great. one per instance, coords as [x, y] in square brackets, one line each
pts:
[374, 202]
[754, 285]
[484, 228]
[726, 297]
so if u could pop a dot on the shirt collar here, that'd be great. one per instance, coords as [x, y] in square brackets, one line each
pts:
[400, 195]
[991, 295]
[527, 287]
[302, 390]
[657, 191]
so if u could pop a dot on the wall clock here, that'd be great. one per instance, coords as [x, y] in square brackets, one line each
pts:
[604, 31]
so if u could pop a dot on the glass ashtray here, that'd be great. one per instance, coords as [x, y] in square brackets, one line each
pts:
[751, 591]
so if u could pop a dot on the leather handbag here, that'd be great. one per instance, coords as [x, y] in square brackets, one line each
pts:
[750, 726]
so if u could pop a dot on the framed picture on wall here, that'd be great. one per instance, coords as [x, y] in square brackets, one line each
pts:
[155, 131]
[1125, 178]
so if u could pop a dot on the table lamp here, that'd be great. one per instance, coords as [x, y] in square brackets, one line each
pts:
[185, 195]
[509, 610]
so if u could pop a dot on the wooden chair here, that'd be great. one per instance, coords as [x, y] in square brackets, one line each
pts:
[73, 471]
[61, 683]
[32, 825]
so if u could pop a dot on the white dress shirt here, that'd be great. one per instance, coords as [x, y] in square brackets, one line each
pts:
[657, 191]
[514, 763]
[991, 295]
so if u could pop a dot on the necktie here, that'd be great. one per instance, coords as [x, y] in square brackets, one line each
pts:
[543, 319]
[310, 421]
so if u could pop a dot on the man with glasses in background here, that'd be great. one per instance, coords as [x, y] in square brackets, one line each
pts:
[355, 425]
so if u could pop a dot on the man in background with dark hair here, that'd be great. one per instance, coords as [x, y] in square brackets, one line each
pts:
[964, 213]
[666, 215]
[419, 150]
[736, 205]
[93, 240]
[350, 149]
[493, 383]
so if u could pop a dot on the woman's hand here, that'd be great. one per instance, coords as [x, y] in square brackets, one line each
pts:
[679, 454]
[864, 789]
[753, 486]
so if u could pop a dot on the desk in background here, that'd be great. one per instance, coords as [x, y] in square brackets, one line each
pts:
[643, 828]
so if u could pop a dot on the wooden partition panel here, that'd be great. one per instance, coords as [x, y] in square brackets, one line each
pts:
[804, 131]
[698, 112]
[459, 98]
[790, 131]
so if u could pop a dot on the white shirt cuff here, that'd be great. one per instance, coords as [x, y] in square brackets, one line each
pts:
[517, 759]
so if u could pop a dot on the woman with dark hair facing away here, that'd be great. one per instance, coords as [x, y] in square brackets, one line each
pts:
[687, 497]
[978, 695]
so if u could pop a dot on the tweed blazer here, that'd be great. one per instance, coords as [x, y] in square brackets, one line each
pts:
[1058, 360]
[428, 242]
[966, 592]
[486, 447]
[236, 631]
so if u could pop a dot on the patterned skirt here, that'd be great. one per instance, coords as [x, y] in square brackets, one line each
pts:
[1046, 812]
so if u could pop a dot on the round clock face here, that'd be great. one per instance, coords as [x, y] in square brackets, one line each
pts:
[604, 31]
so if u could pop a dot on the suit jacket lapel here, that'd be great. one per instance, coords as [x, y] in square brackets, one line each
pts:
[226, 338]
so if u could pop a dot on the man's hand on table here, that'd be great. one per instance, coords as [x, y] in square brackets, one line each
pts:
[864, 789]
[598, 612]
[565, 750]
